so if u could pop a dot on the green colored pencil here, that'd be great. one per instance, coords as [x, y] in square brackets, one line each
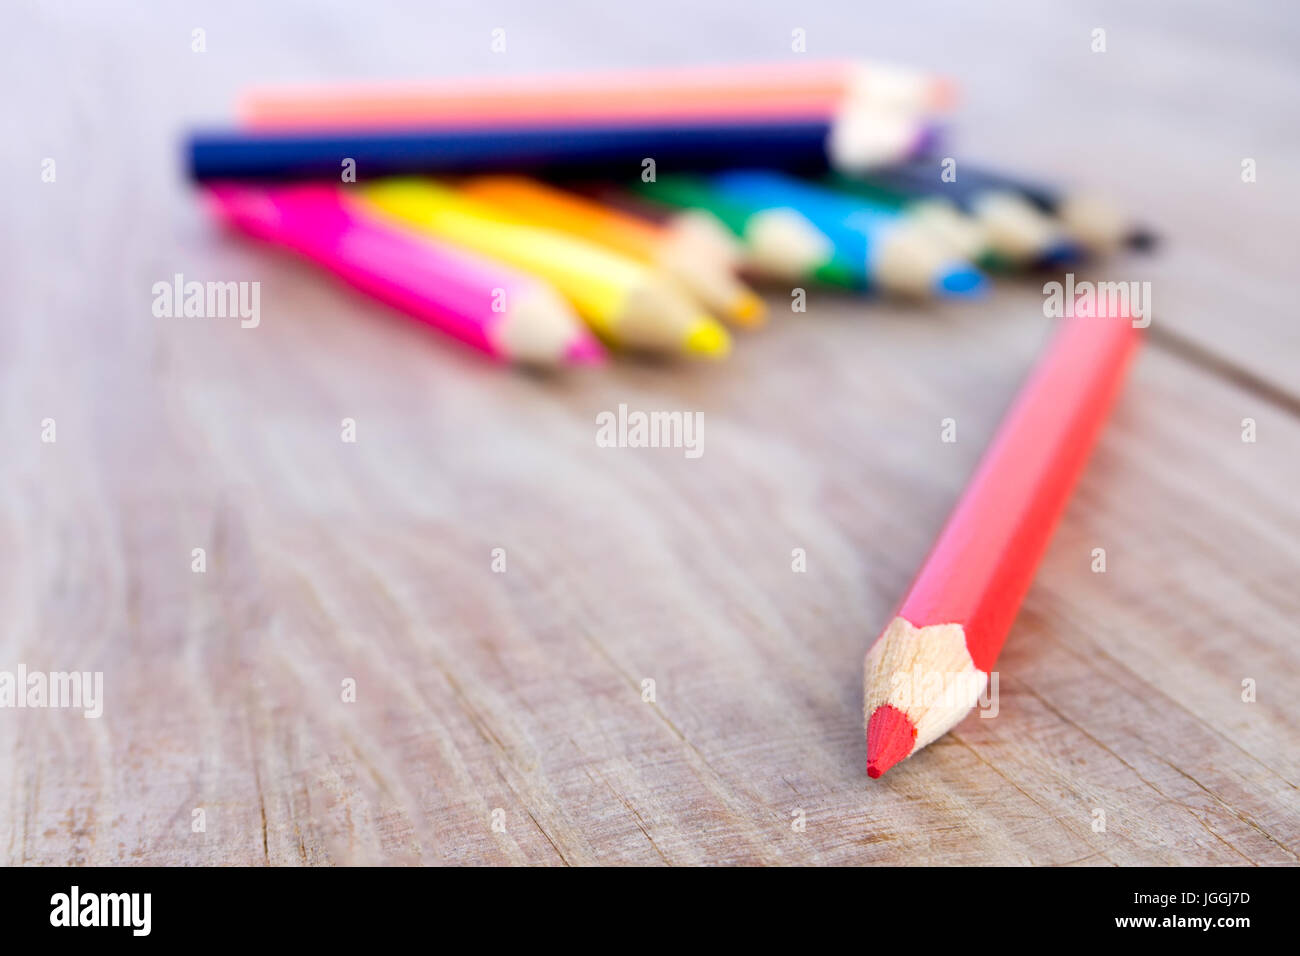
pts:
[779, 243]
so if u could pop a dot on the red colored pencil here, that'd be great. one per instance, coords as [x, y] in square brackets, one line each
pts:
[932, 663]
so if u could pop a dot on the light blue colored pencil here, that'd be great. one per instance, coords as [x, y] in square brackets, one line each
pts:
[896, 253]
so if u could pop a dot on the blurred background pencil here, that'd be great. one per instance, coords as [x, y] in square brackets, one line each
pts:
[802, 144]
[809, 89]
[960, 232]
[684, 254]
[1017, 232]
[488, 306]
[933, 661]
[778, 243]
[892, 251]
[623, 301]
[1098, 225]
[712, 236]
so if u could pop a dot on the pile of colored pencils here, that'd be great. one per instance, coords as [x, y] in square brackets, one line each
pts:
[568, 215]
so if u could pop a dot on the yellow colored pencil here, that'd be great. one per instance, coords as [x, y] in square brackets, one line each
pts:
[623, 301]
[681, 253]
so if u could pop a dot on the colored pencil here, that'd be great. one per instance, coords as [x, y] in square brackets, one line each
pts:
[1090, 220]
[933, 661]
[961, 233]
[810, 89]
[1017, 232]
[677, 253]
[705, 229]
[505, 313]
[778, 243]
[894, 253]
[625, 302]
[808, 145]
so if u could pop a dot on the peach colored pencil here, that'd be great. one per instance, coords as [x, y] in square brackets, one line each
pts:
[788, 90]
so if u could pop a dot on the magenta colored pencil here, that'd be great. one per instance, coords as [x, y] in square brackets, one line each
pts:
[492, 307]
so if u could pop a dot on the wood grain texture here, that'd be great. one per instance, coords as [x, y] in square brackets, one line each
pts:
[522, 691]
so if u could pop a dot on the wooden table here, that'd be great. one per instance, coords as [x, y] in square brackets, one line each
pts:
[522, 692]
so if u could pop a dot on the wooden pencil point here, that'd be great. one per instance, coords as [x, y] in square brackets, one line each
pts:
[925, 675]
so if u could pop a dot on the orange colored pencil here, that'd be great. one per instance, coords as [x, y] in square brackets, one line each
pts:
[932, 663]
[814, 89]
[682, 254]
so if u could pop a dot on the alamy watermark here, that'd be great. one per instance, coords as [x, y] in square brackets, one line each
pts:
[130, 910]
[1091, 300]
[208, 300]
[637, 429]
[59, 690]
[918, 688]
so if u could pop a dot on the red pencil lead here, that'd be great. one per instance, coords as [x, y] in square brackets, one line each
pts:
[890, 735]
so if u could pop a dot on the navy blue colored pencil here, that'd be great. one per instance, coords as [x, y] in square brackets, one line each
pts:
[1017, 231]
[1096, 224]
[797, 146]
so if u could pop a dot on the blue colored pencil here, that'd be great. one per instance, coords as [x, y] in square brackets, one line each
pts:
[895, 253]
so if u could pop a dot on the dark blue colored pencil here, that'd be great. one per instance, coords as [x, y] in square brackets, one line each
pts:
[1020, 231]
[1107, 227]
[616, 152]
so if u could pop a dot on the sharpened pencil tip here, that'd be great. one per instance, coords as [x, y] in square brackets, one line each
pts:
[1060, 253]
[965, 281]
[1143, 240]
[585, 350]
[707, 338]
[890, 736]
[928, 139]
[749, 309]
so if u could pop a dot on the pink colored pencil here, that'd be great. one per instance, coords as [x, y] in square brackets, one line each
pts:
[790, 91]
[491, 307]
